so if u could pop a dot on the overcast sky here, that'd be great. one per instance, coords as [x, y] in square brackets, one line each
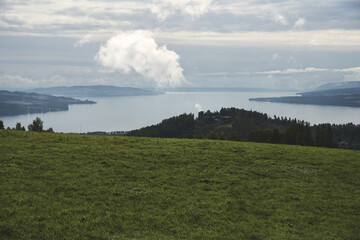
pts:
[293, 44]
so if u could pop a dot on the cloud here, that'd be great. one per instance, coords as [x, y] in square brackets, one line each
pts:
[293, 71]
[287, 71]
[354, 76]
[137, 51]
[348, 70]
[299, 23]
[275, 56]
[314, 42]
[194, 8]
[281, 19]
[198, 107]
[21, 81]
[83, 40]
[324, 38]
[15, 80]
[350, 74]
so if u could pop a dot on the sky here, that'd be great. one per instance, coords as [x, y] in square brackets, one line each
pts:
[292, 44]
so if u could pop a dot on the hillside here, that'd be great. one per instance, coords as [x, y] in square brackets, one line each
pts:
[57, 186]
[95, 91]
[16, 103]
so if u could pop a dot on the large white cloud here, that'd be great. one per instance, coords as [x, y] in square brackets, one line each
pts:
[138, 51]
[194, 8]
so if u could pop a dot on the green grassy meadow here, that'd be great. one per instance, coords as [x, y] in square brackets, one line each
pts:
[63, 186]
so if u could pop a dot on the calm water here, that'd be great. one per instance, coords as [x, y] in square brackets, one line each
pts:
[127, 113]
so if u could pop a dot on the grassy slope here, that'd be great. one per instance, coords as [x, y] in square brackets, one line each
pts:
[56, 186]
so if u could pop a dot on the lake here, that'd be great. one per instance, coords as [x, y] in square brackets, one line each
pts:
[127, 113]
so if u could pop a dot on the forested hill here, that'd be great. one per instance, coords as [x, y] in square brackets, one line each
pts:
[221, 123]
[17, 103]
[95, 91]
[239, 124]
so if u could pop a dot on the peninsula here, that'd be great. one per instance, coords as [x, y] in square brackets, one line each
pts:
[18, 103]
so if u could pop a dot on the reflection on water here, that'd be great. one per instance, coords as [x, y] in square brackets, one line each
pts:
[127, 113]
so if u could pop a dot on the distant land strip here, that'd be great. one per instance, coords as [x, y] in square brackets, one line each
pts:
[339, 100]
[96, 91]
[18, 103]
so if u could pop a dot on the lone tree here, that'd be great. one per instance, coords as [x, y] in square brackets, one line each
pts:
[36, 126]
[19, 127]
[2, 125]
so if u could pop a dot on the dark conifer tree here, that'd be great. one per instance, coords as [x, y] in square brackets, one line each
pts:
[323, 136]
[36, 126]
[18, 127]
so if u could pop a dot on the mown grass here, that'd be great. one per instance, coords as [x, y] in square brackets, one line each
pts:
[61, 186]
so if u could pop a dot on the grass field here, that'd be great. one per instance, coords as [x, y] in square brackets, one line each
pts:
[62, 186]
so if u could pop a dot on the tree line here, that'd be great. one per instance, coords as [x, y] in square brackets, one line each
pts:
[36, 126]
[242, 125]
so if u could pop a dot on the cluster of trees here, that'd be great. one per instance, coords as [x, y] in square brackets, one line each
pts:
[299, 133]
[36, 126]
[347, 135]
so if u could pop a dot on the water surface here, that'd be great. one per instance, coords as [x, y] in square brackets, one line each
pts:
[127, 113]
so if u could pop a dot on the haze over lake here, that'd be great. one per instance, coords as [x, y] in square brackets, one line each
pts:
[128, 113]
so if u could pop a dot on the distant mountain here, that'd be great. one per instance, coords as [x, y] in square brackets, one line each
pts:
[339, 100]
[95, 91]
[338, 85]
[223, 89]
[17, 103]
[346, 94]
[333, 92]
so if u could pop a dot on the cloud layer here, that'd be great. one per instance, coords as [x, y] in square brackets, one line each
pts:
[137, 51]
[193, 8]
[294, 71]
[231, 43]
[77, 18]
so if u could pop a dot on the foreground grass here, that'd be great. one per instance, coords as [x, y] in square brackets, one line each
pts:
[57, 186]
